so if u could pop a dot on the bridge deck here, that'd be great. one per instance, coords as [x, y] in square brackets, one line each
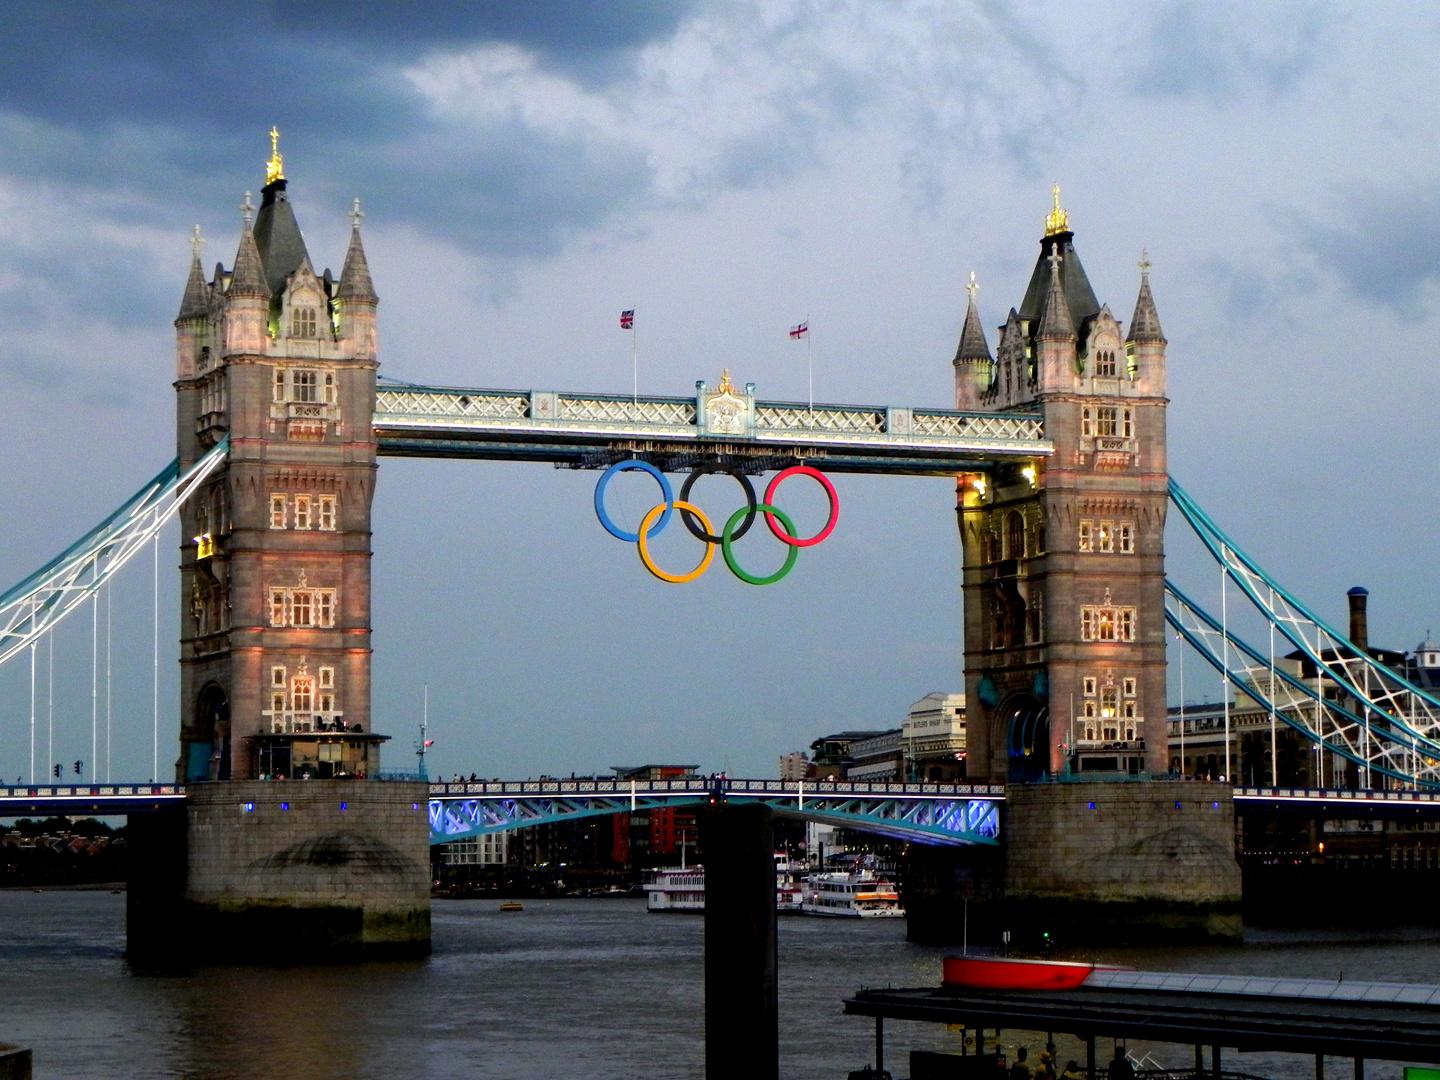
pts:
[596, 430]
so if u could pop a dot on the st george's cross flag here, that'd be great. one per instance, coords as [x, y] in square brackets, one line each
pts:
[627, 319]
[801, 330]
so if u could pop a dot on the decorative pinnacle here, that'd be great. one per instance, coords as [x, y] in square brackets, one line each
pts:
[275, 167]
[1144, 262]
[197, 243]
[356, 214]
[1054, 259]
[1058, 221]
[973, 287]
[726, 386]
[247, 210]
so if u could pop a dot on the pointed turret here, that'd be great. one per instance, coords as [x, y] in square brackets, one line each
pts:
[972, 359]
[192, 324]
[1055, 321]
[194, 304]
[247, 301]
[1145, 325]
[355, 283]
[248, 277]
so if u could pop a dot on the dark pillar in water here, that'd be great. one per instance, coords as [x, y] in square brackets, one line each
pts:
[742, 1026]
[155, 922]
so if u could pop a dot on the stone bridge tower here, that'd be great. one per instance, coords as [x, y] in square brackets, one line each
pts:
[275, 561]
[1064, 562]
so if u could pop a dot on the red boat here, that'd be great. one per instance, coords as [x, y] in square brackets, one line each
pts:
[992, 973]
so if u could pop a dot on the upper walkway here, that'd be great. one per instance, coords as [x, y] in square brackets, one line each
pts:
[596, 430]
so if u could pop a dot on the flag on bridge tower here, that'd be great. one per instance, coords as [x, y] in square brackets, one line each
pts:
[627, 319]
[801, 330]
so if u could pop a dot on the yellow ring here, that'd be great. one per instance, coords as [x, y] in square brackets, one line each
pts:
[675, 579]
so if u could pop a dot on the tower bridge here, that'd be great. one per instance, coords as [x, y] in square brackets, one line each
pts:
[1056, 445]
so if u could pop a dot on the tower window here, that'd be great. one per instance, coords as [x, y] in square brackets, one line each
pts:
[304, 608]
[302, 693]
[327, 513]
[327, 678]
[1127, 538]
[279, 613]
[1107, 623]
[325, 607]
[279, 384]
[1040, 539]
[1109, 702]
[300, 607]
[329, 388]
[1107, 536]
[277, 511]
[1087, 537]
[1089, 685]
[304, 386]
[1127, 424]
[1105, 363]
[302, 322]
[1129, 686]
[1106, 421]
[1015, 536]
[277, 676]
[1086, 424]
[302, 511]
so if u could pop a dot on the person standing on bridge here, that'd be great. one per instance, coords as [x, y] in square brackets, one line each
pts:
[1120, 1067]
[1021, 1069]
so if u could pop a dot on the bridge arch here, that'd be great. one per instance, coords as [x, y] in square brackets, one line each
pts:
[207, 742]
[1027, 737]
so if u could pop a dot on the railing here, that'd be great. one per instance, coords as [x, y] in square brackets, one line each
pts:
[730, 787]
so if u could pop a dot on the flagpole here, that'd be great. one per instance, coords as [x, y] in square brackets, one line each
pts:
[810, 367]
[634, 360]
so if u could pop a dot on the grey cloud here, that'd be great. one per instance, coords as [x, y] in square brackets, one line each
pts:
[1385, 249]
[1216, 49]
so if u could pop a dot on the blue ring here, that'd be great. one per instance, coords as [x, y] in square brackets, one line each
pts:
[629, 466]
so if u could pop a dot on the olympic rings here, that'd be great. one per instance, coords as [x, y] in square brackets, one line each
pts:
[771, 515]
[628, 466]
[674, 579]
[705, 470]
[699, 525]
[791, 554]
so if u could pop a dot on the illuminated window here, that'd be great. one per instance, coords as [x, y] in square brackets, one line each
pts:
[279, 611]
[302, 322]
[302, 511]
[1090, 686]
[1127, 427]
[277, 511]
[302, 691]
[1106, 422]
[1127, 538]
[1107, 536]
[304, 386]
[1109, 702]
[1107, 623]
[1130, 687]
[1086, 426]
[1087, 542]
[300, 607]
[327, 513]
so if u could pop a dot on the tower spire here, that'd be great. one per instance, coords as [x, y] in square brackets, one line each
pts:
[1056, 323]
[355, 282]
[1145, 324]
[192, 304]
[973, 345]
[275, 167]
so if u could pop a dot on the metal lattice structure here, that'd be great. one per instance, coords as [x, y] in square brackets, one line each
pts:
[596, 430]
[941, 814]
[36, 605]
[1352, 705]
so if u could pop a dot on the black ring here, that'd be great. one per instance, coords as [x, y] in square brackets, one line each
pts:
[689, 518]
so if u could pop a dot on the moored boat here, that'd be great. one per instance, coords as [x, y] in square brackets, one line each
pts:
[1002, 973]
[857, 895]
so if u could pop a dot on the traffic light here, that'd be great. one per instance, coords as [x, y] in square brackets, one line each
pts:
[56, 769]
[79, 767]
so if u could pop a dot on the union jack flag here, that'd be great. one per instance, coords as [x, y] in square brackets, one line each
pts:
[627, 319]
[801, 330]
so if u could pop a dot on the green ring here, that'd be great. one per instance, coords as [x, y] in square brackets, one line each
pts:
[793, 553]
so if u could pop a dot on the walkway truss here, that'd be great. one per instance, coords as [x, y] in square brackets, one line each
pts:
[1342, 698]
[32, 608]
[936, 814]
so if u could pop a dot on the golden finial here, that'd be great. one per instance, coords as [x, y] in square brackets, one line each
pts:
[1059, 220]
[726, 386]
[275, 167]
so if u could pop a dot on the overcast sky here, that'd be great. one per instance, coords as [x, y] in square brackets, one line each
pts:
[726, 169]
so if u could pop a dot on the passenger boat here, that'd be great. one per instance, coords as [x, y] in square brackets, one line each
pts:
[678, 888]
[857, 895]
[789, 893]
[512, 905]
[997, 973]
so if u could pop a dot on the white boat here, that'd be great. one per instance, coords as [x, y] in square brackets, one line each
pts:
[858, 895]
[677, 888]
[682, 888]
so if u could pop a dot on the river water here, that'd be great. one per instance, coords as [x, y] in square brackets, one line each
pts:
[566, 989]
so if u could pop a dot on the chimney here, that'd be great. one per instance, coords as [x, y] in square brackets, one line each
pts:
[1359, 627]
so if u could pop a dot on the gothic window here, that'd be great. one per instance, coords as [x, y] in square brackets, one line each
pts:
[1007, 378]
[277, 704]
[279, 609]
[1127, 424]
[327, 513]
[279, 384]
[1127, 624]
[329, 388]
[325, 607]
[300, 612]
[277, 511]
[1127, 538]
[1130, 686]
[1107, 536]
[1107, 623]
[1087, 541]
[1015, 535]
[302, 511]
[302, 693]
[304, 386]
[277, 676]
[302, 322]
[1089, 685]
[1086, 425]
[1109, 702]
[1087, 624]
[327, 678]
[304, 607]
[1105, 363]
[1106, 421]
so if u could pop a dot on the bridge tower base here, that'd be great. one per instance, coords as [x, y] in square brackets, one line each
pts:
[1143, 862]
[292, 872]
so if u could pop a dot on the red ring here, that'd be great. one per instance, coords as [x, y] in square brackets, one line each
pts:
[779, 530]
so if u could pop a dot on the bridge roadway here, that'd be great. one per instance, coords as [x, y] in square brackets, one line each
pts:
[583, 431]
[929, 813]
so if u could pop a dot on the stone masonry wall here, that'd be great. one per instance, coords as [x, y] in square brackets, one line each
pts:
[310, 867]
